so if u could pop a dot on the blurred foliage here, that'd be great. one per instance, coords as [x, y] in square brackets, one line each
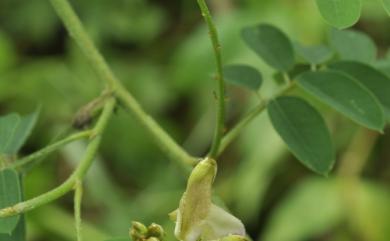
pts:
[161, 51]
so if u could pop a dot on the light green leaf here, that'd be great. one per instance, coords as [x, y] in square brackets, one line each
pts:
[10, 194]
[386, 5]
[353, 45]
[304, 131]
[340, 13]
[346, 95]
[314, 54]
[271, 44]
[14, 131]
[243, 75]
[377, 82]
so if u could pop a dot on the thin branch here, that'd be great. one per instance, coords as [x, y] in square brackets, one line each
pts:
[78, 174]
[78, 33]
[220, 120]
[236, 130]
[49, 149]
[78, 194]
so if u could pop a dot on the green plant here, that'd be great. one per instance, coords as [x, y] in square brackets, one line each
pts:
[342, 79]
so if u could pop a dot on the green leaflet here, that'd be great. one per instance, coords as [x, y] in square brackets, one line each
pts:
[340, 13]
[314, 54]
[353, 45]
[377, 82]
[14, 131]
[243, 75]
[304, 131]
[271, 44]
[346, 95]
[10, 194]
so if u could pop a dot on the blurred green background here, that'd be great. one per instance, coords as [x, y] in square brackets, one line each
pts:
[161, 51]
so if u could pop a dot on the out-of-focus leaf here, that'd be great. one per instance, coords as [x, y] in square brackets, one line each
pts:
[377, 82]
[346, 95]
[19, 233]
[271, 44]
[304, 131]
[14, 131]
[314, 54]
[311, 208]
[340, 13]
[7, 52]
[243, 75]
[10, 194]
[353, 45]
[386, 5]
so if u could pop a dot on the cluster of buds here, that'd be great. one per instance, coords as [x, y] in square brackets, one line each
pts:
[139, 232]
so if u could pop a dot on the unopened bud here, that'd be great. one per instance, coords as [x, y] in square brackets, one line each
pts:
[155, 230]
[137, 231]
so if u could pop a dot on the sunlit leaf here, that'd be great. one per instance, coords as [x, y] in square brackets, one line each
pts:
[271, 44]
[243, 75]
[346, 95]
[10, 194]
[14, 131]
[353, 45]
[304, 131]
[377, 82]
[340, 13]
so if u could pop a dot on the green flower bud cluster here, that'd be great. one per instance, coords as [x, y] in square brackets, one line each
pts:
[139, 232]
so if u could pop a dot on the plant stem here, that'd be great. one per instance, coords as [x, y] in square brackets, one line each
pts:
[236, 130]
[78, 33]
[165, 142]
[77, 208]
[78, 174]
[220, 120]
[51, 148]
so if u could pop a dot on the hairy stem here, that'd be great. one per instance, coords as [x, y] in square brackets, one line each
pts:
[51, 148]
[78, 194]
[78, 174]
[78, 33]
[220, 120]
[236, 130]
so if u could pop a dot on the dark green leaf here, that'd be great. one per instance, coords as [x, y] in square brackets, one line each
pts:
[377, 82]
[14, 131]
[314, 54]
[340, 13]
[271, 44]
[10, 194]
[243, 75]
[353, 45]
[304, 131]
[346, 95]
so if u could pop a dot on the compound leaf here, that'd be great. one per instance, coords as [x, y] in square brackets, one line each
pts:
[243, 75]
[353, 45]
[346, 95]
[271, 44]
[340, 13]
[10, 194]
[377, 82]
[304, 131]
